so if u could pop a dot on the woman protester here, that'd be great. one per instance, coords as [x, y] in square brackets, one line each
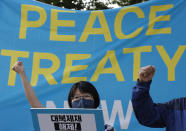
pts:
[82, 94]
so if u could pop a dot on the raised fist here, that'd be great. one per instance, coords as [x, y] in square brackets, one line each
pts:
[18, 67]
[146, 73]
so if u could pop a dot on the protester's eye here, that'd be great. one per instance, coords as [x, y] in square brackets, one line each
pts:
[77, 97]
[87, 96]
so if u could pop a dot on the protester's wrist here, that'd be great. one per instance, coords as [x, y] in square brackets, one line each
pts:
[143, 83]
[22, 73]
[141, 80]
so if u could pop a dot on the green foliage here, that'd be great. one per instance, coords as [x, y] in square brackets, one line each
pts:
[69, 4]
[90, 5]
[122, 3]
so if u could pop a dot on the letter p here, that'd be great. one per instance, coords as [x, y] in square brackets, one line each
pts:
[25, 23]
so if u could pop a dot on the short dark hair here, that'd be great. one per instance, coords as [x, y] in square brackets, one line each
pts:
[84, 87]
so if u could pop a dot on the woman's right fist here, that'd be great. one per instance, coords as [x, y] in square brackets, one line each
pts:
[18, 67]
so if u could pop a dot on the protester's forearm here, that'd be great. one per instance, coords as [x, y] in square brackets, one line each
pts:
[29, 92]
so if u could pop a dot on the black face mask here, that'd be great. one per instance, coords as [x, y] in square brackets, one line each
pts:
[83, 103]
